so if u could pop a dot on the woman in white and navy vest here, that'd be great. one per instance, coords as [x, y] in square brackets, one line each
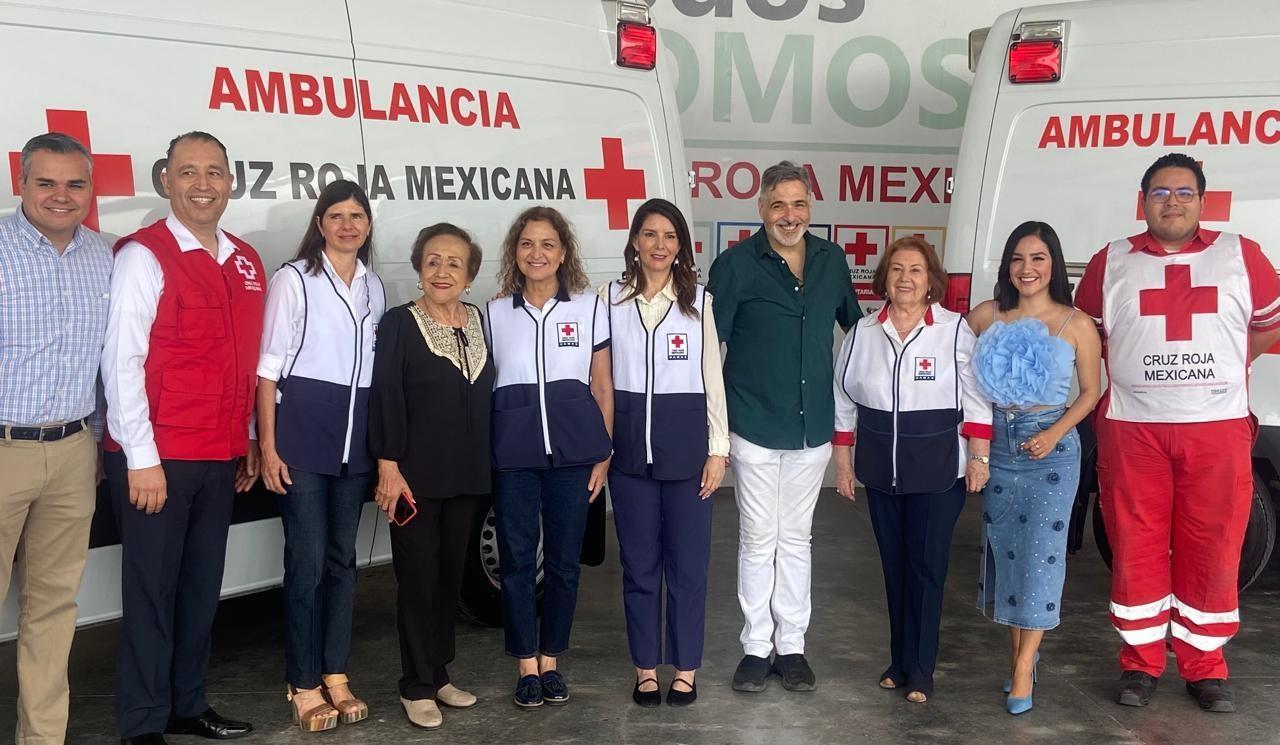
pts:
[905, 387]
[552, 415]
[314, 374]
[670, 441]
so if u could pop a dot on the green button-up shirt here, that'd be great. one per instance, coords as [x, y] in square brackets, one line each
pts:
[778, 369]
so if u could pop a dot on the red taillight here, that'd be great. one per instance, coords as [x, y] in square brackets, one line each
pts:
[1035, 61]
[637, 45]
[958, 292]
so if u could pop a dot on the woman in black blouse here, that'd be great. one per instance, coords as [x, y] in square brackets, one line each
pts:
[429, 429]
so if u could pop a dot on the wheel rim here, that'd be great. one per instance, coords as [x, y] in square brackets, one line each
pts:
[491, 559]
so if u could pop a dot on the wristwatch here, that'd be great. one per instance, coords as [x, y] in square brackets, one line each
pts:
[983, 459]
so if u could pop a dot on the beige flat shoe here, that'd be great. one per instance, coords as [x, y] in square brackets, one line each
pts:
[423, 712]
[455, 697]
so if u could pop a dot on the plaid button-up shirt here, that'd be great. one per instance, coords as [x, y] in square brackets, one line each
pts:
[53, 316]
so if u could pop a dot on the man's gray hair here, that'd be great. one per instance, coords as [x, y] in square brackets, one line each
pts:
[784, 171]
[53, 142]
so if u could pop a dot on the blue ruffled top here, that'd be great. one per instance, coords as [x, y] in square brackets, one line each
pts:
[1020, 364]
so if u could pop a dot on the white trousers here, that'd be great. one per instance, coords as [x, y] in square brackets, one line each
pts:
[776, 491]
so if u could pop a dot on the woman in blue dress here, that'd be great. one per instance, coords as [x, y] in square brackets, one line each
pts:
[1030, 339]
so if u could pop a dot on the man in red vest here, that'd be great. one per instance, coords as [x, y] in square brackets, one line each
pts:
[1185, 310]
[179, 368]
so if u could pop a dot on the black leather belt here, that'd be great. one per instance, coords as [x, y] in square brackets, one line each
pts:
[44, 434]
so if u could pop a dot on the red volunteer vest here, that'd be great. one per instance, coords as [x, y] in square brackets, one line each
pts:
[201, 368]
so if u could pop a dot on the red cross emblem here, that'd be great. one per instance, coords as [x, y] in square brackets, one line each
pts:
[568, 334]
[924, 368]
[861, 249]
[1178, 302]
[112, 174]
[676, 349]
[925, 364]
[742, 236]
[245, 266]
[615, 183]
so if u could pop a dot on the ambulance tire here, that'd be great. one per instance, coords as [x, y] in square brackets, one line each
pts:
[1259, 536]
[480, 600]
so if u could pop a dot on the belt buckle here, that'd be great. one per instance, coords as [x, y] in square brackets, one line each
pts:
[47, 433]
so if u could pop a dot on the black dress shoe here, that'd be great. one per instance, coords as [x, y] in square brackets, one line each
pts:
[1213, 695]
[1136, 688]
[151, 738]
[678, 697]
[647, 699]
[795, 672]
[752, 674]
[210, 724]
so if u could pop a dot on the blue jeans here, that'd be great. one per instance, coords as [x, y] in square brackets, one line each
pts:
[321, 515]
[559, 496]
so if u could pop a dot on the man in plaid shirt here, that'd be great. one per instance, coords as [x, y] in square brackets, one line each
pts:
[54, 280]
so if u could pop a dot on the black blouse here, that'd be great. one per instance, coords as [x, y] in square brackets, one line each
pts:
[425, 414]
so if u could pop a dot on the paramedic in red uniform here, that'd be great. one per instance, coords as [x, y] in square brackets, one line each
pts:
[1184, 310]
[179, 367]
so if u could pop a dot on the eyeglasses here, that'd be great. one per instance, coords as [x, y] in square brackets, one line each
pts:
[405, 510]
[1161, 195]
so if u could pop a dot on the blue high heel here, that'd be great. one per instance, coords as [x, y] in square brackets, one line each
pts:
[1018, 705]
[1008, 682]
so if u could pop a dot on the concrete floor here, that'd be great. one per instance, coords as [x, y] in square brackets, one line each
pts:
[846, 646]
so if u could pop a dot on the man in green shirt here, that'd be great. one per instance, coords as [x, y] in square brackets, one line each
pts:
[778, 296]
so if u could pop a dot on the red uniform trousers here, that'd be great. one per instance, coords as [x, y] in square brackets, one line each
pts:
[1175, 498]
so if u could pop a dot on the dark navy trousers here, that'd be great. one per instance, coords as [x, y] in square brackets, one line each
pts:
[664, 532]
[914, 534]
[171, 576]
[556, 499]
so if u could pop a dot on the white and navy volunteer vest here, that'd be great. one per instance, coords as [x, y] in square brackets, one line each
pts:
[1177, 333]
[322, 414]
[543, 413]
[659, 400]
[910, 403]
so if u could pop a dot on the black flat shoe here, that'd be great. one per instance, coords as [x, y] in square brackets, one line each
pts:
[752, 674]
[1136, 688]
[1212, 694]
[795, 672]
[647, 699]
[682, 698]
[210, 724]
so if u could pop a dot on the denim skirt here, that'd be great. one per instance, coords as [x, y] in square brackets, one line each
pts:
[1026, 508]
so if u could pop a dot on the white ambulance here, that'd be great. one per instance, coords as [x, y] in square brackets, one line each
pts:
[1071, 103]
[445, 110]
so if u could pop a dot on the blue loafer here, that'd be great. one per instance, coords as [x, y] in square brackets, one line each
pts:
[554, 690]
[529, 692]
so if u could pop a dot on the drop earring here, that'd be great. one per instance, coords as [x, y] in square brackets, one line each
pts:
[677, 260]
[419, 285]
[468, 290]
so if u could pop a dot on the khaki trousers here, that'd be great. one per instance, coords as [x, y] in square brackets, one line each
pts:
[47, 497]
